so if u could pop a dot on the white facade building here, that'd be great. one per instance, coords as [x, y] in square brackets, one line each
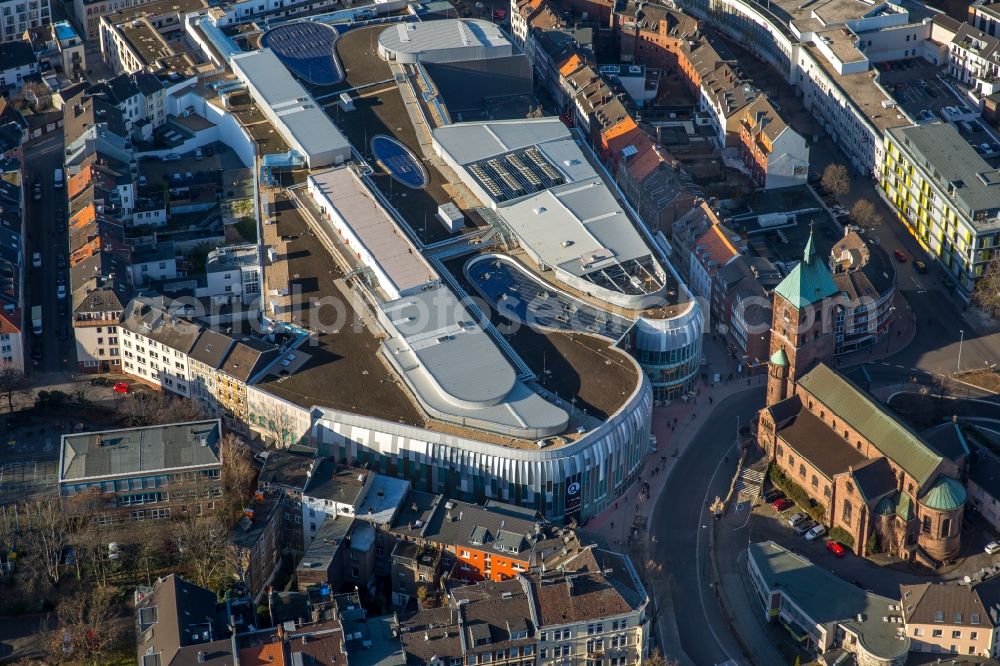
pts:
[17, 16]
[155, 345]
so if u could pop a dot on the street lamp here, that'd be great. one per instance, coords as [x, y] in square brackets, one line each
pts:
[961, 339]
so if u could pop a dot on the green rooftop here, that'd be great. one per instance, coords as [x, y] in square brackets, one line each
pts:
[809, 282]
[778, 358]
[946, 494]
[853, 406]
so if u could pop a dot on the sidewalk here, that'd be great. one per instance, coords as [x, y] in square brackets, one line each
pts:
[676, 425]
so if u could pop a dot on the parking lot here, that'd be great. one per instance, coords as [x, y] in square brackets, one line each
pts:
[881, 574]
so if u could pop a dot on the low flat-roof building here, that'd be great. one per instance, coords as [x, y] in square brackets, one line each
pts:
[292, 111]
[826, 613]
[140, 472]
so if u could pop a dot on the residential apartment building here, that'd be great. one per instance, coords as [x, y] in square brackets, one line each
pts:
[826, 612]
[487, 623]
[255, 543]
[775, 154]
[136, 474]
[19, 16]
[612, 625]
[974, 60]
[865, 274]
[711, 252]
[285, 472]
[651, 34]
[204, 360]
[247, 359]
[946, 195]
[18, 62]
[233, 272]
[985, 15]
[140, 97]
[97, 309]
[155, 341]
[952, 618]
[13, 327]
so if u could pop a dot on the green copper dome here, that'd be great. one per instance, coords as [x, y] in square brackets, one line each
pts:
[809, 282]
[778, 358]
[945, 495]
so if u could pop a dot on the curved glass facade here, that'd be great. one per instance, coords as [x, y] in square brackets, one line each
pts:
[669, 351]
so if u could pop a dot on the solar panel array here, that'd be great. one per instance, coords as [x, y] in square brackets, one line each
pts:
[515, 174]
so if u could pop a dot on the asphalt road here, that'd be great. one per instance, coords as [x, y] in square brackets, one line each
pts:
[43, 158]
[679, 536]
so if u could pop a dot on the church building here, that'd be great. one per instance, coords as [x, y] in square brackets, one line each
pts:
[868, 472]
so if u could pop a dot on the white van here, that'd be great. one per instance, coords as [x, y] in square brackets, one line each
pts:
[57, 179]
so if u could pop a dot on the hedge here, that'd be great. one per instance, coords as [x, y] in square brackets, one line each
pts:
[843, 536]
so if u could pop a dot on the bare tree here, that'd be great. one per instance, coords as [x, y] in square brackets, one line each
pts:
[865, 214]
[46, 535]
[277, 426]
[656, 658]
[86, 629]
[836, 179]
[12, 383]
[239, 477]
[158, 408]
[205, 552]
[987, 292]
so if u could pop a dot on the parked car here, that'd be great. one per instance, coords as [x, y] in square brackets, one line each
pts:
[797, 518]
[992, 548]
[61, 277]
[781, 504]
[114, 552]
[199, 155]
[900, 256]
[171, 157]
[804, 526]
[814, 178]
[836, 548]
[61, 292]
[63, 333]
[61, 260]
[920, 266]
[816, 532]
[37, 189]
[99, 381]
[120, 387]
[209, 151]
[61, 308]
[36, 260]
[36, 352]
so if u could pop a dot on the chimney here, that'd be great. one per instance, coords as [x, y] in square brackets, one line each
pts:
[202, 656]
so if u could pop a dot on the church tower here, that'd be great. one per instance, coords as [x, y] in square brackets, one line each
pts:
[802, 323]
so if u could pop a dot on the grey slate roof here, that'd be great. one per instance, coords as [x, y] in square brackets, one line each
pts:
[211, 348]
[942, 149]
[140, 451]
[248, 357]
[173, 620]
[874, 479]
[149, 317]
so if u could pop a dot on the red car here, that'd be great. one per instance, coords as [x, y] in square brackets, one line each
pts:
[900, 257]
[781, 504]
[121, 387]
[836, 548]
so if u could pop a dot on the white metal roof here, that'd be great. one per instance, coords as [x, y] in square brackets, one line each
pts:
[306, 125]
[447, 35]
[356, 206]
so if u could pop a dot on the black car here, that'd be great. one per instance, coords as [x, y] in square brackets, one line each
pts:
[61, 220]
[100, 381]
[61, 277]
[61, 261]
[36, 352]
[61, 309]
[63, 333]
[209, 151]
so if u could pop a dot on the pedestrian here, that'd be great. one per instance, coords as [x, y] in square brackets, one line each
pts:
[710, 400]
[612, 524]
